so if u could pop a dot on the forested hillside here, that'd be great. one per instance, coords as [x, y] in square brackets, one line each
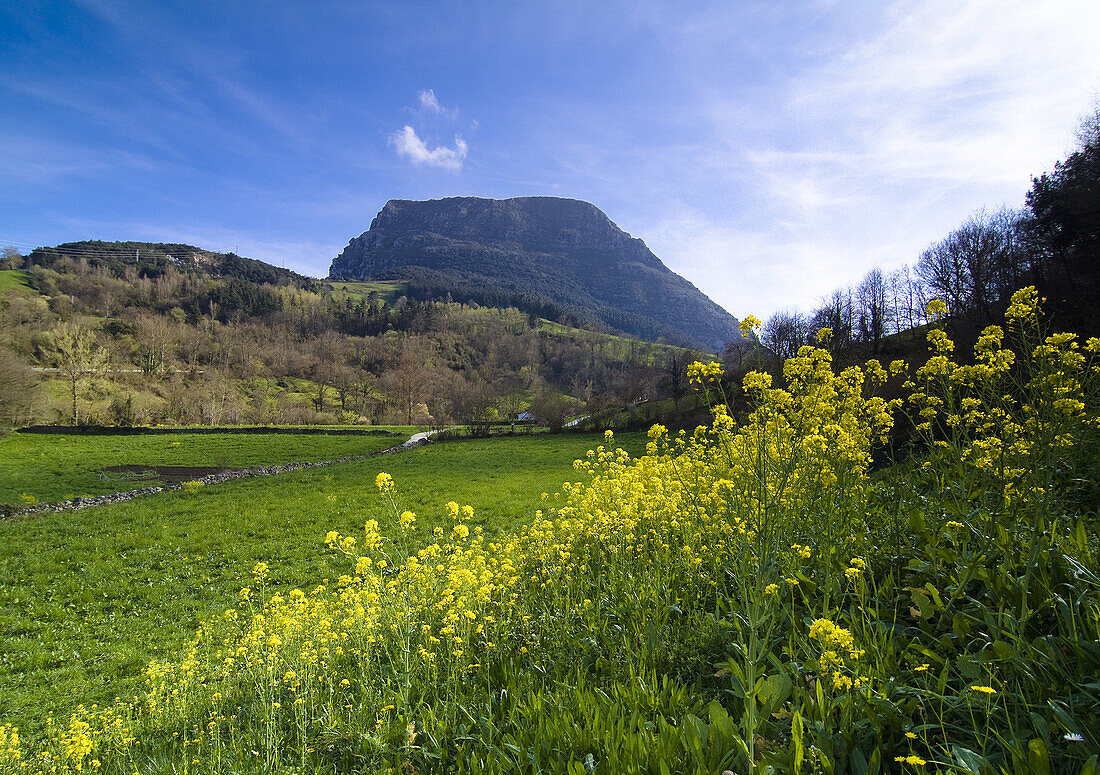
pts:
[136, 333]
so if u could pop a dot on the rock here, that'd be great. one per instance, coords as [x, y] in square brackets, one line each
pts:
[564, 250]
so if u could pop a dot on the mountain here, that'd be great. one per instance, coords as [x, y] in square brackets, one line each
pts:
[562, 250]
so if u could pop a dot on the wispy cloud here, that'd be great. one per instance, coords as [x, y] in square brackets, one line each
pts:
[882, 140]
[411, 147]
[430, 104]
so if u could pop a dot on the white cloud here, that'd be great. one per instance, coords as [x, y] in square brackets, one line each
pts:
[881, 143]
[429, 102]
[411, 147]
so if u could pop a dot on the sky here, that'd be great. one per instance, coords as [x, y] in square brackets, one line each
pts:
[768, 151]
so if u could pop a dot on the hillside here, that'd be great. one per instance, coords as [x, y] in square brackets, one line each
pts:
[136, 333]
[152, 259]
[563, 251]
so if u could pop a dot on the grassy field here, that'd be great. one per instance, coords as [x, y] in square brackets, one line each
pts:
[388, 290]
[51, 468]
[88, 597]
[15, 280]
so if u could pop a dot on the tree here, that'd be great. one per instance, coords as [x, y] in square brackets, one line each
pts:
[784, 333]
[973, 266]
[11, 259]
[473, 403]
[1063, 221]
[17, 385]
[874, 311]
[406, 383]
[905, 299]
[836, 314]
[550, 408]
[675, 376]
[73, 350]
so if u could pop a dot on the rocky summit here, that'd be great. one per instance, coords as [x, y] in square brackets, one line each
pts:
[564, 250]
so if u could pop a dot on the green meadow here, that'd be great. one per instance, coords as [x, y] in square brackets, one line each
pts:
[15, 280]
[46, 467]
[89, 597]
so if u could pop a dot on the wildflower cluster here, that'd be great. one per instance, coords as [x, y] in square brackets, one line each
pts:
[838, 653]
[977, 414]
[840, 616]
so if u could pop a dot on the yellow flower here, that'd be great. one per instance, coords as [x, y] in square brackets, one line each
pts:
[935, 309]
[749, 323]
[756, 380]
[699, 372]
[771, 589]
[824, 335]
[384, 482]
[983, 689]
[408, 520]
[1024, 304]
[911, 759]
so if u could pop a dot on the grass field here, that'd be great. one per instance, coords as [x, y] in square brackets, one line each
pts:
[88, 597]
[388, 290]
[51, 468]
[15, 280]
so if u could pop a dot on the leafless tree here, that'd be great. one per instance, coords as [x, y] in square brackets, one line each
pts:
[784, 333]
[72, 349]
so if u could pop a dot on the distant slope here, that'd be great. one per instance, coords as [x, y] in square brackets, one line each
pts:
[150, 259]
[562, 251]
[15, 281]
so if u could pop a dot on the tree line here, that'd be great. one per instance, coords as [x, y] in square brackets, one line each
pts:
[134, 342]
[1052, 242]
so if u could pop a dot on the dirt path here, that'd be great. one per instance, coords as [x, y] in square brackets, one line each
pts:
[416, 440]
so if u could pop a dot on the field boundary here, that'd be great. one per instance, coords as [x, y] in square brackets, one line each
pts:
[120, 430]
[416, 440]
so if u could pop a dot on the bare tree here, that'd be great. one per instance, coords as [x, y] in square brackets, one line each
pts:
[904, 293]
[836, 314]
[17, 386]
[11, 259]
[873, 310]
[973, 266]
[784, 333]
[406, 383]
[73, 350]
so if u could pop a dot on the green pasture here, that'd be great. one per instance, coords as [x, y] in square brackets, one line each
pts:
[388, 290]
[15, 280]
[89, 597]
[56, 467]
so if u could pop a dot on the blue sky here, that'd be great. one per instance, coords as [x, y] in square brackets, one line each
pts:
[767, 151]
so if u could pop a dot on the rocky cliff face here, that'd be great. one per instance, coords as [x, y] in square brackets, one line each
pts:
[563, 249]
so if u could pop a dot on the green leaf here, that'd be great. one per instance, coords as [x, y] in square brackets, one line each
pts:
[968, 760]
[796, 741]
[1038, 759]
[772, 692]
[858, 763]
